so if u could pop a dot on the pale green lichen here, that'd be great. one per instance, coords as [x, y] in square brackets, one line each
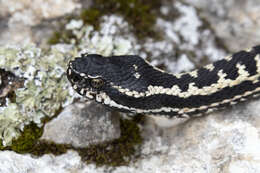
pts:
[44, 92]
[10, 119]
[139, 14]
[105, 42]
[46, 89]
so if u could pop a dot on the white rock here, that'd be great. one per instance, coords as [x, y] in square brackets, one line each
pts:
[11, 162]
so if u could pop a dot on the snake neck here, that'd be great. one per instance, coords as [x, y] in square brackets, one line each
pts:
[225, 82]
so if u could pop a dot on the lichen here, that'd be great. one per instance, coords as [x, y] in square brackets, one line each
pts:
[140, 14]
[113, 37]
[44, 92]
[106, 43]
[10, 119]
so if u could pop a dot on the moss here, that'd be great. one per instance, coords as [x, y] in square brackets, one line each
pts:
[55, 38]
[114, 153]
[45, 147]
[29, 137]
[91, 17]
[119, 151]
[26, 141]
[140, 14]
[61, 36]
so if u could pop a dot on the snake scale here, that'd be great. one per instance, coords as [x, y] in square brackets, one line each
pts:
[130, 84]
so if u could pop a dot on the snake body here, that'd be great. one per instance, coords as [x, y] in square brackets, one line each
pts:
[130, 84]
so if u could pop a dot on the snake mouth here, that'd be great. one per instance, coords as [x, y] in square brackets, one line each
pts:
[86, 92]
[80, 83]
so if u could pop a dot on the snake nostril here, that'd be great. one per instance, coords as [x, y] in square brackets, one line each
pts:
[75, 78]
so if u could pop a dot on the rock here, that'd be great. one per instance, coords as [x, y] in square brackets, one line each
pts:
[82, 124]
[220, 142]
[232, 21]
[11, 162]
[186, 37]
[225, 141]
[20, 18]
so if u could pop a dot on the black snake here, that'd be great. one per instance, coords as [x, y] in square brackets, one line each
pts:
[130, 84]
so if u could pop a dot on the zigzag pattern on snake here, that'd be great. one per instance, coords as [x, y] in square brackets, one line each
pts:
[130, 84]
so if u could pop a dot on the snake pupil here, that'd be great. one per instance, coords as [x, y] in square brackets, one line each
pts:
[97, 83]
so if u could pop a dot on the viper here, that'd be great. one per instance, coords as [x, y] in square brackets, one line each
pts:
[128, 83]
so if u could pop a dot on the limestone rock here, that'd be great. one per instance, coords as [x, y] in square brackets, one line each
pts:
[81, 124]
[232, 20]
[21, 21]
[226, 141]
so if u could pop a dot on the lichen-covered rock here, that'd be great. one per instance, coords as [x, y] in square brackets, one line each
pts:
[45, 88]
[187, 40]
[226, 141]
[235, 22]
[82, 124]
[114, 37]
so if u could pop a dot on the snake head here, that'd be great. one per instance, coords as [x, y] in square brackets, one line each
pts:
[105, 79]
[85, 75]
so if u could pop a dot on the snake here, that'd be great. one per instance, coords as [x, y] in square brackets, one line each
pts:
[128, 83]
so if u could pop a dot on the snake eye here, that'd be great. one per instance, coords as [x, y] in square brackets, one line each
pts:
[97, 83]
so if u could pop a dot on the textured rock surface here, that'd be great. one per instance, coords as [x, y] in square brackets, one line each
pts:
[225, 141]
[186, 39]
[232, 20]
[21, 21]
[82, 124]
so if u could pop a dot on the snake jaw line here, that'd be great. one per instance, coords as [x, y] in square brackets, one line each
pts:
[75, 87]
